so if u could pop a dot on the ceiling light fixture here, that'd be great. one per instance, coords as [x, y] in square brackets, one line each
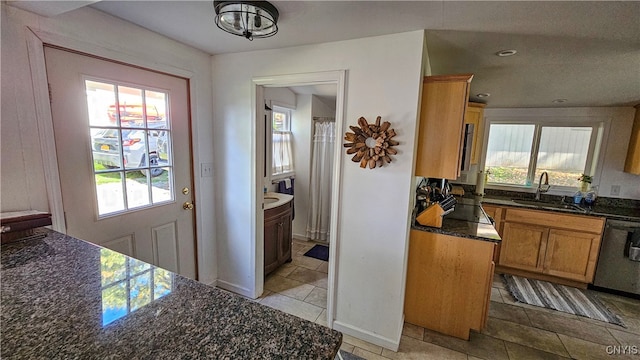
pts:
[503, 53]
[483, 95]
[559, 101]
[250, 19]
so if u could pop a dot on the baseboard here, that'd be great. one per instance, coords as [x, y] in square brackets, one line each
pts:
[365, 335]
[234, 288]
[300, 237]
[213, 283]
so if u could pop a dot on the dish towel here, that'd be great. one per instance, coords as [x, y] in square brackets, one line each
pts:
[286, 187]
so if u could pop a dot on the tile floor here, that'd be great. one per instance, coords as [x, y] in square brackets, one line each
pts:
[514, 330]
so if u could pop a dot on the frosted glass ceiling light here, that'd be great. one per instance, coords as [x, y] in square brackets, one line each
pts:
[250, 19]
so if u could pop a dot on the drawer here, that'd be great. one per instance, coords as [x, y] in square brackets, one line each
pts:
[555, 220]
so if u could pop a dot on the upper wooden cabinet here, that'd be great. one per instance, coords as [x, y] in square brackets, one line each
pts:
[475, 116]
[632, 165]
[444, 101]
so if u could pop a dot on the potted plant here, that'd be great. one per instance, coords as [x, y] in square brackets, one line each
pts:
[585, 180]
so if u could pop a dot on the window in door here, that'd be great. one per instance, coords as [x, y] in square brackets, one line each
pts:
[131, 146]
[517, 153]
[281, 137]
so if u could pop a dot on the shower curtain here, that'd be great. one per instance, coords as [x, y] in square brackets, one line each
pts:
[320, 184]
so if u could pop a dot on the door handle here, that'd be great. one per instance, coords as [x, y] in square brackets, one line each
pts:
[187, 205]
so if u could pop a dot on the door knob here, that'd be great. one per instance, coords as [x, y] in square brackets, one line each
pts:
[187, 205]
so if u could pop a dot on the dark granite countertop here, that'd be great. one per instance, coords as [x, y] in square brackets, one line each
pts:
[606, 210]
[65, 298]
[480, 228]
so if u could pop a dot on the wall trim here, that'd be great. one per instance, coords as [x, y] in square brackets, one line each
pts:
[365, 335]
[234, 288]
[35, 50]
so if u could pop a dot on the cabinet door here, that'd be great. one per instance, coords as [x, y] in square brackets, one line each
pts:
[571, 255]
[443, 104]
[271, 235]
[284, 240]
[523, 246]
[474, 115]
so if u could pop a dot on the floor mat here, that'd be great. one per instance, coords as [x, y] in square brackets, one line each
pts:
[319, 252]
[559, 297]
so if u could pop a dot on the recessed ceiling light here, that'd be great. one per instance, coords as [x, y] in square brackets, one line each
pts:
[483, 95]
[559, 101]
[504, 53]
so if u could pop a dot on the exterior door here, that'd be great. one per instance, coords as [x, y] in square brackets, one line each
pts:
[122, 139]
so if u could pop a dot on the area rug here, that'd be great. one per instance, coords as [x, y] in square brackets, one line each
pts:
[319, 252]
[559, 297]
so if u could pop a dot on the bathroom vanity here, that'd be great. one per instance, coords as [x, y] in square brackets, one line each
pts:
[278, 215]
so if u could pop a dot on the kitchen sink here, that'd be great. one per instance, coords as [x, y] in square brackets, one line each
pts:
[550, 205]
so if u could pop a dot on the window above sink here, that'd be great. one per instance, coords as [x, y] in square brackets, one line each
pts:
[518, 151]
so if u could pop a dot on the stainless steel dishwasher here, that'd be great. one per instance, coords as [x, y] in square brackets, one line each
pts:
[619, 261]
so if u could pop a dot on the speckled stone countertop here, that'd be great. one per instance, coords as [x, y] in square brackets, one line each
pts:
[479, 229]
[608, 211]
[63, 298]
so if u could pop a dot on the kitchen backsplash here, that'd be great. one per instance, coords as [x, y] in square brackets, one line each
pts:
[601, 201]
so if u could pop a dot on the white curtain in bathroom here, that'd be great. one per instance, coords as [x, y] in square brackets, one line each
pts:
[282, 159]
[320, 185]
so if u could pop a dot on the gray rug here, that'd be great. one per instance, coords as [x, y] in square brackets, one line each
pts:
[559, 297]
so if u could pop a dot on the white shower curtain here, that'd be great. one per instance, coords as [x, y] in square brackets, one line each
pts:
[320, 184]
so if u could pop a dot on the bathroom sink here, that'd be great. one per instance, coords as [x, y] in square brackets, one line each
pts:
[550, 205]
[272, 200]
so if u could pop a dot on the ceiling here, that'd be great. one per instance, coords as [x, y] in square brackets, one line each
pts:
[585, 52]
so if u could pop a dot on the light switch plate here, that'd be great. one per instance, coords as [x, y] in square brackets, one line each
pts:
[615, 190]
[206, 169]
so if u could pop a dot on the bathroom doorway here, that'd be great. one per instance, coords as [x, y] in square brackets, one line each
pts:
[316, 122]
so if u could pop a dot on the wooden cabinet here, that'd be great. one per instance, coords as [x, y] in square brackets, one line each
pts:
[550, 246]
[277, 236]
[526, 248]
[448, 283]
[440, 134]
[632, 164]
[572, 255]
[475, 115]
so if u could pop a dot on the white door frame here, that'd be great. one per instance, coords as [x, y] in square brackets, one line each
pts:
[338, 78]
[35, 48]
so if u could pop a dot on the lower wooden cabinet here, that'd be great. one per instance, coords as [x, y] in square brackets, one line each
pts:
[448, 283]
[549, 245]
[572, 255]
[526, 248]
[277, 236]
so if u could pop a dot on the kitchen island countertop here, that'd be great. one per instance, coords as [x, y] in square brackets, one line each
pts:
[66, 298]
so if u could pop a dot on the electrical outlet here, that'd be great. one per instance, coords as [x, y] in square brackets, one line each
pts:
[206, 169]
[615, 190]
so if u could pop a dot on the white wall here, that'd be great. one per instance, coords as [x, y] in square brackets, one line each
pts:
[302, 128]
[384, 76]
[23, 175]
[614, 148]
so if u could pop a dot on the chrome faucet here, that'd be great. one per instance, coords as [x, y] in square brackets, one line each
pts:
[542, 187]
